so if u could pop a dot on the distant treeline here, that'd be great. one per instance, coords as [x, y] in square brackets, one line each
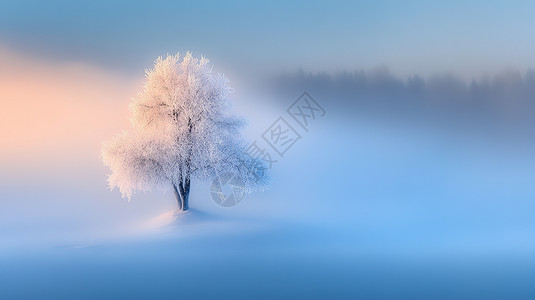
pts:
[508, 95]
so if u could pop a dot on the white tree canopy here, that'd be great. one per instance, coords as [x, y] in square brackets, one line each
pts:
[182, 129]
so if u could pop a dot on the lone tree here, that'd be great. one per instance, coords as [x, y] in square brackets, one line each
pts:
[182, 130]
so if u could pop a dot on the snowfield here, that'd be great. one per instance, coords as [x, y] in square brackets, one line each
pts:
[195, 256]
[391, 214]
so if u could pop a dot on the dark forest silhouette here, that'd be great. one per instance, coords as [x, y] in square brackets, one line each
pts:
[505, 98]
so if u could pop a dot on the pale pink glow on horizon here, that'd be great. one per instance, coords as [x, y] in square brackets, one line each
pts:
[59, 110]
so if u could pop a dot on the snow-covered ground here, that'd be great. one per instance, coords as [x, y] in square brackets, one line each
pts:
[356, 209]
[224, 258]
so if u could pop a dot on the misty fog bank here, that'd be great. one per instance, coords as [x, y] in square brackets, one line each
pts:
[504, 99]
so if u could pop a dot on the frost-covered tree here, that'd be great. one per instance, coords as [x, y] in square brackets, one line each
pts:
[182, 130]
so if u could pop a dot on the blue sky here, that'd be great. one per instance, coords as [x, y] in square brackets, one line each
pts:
[463, 37]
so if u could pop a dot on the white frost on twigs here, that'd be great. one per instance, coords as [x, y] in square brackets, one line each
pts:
[181, 127]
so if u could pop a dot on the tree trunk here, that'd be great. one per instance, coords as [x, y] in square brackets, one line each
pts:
[185, 196]
[178, 197]
[182, 194]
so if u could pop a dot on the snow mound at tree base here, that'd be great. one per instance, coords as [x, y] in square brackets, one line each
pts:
[177, 217]
[194, 223]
